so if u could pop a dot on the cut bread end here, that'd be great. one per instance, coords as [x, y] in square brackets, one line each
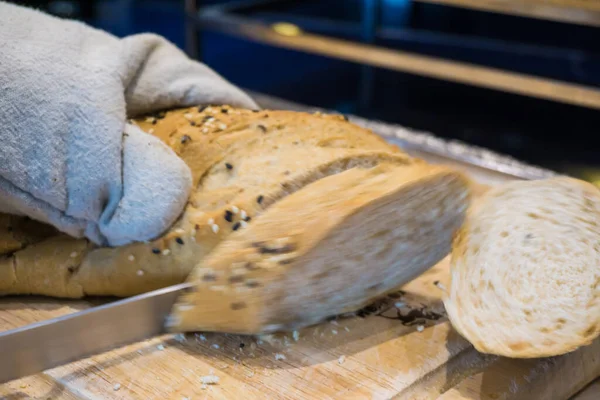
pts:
[525, 269]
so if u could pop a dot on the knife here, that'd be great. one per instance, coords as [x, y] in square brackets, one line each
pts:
[47, 344]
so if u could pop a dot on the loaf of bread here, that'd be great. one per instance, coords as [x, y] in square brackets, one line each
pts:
[525, 269]
[323, 202]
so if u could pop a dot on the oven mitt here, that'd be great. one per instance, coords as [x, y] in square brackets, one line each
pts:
[67, 155]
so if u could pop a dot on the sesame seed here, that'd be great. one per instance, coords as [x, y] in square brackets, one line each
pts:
[334, 331]
[341, 360]
[192, 123]
[160, 347]
[73, 254]
[235, 210]
[117, 387]
[347, 329]
[296, 335]
[151, 119]
[185, 139]
[242, 345]
[151, 131]
[216, 346]
[420, 328]
[238, 305]
[201, 337]
[224, 110]
[222, 127]
[279, 356]
[243, 214]
[228, 216]
[211, 221]
[399, 304]
[193, 233]
[243, 224]
[252, 284]
[215, 228]
[188, 116]
[262, 128]
[229, 166]
[179, 240]
[166, 252]
[247, 219]
[260, 199]
[140, 272]
[236, 226]
[156, 251]
[204, 130]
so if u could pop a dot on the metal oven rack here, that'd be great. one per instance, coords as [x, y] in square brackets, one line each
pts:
[226, 18]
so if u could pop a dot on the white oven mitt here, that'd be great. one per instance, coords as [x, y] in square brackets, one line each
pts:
[67, 155]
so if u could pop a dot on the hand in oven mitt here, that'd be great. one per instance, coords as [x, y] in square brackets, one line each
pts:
[67, 155]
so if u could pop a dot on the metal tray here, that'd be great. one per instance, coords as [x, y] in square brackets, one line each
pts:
[484, 165]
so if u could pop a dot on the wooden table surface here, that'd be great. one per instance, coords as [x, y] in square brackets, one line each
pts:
[402, 347]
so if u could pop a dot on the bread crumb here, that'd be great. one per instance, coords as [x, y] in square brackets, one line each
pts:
[209, 379]
[160, 347]
[420, 328]
[279, 356]
[73, 254]
[215, 228]
[140, 272]
[180, 337]
[131, 257]
[166, 252]
[117, 387]
[341, 360]
[296, 335]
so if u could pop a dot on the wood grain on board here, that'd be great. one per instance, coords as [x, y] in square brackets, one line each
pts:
[401, 347]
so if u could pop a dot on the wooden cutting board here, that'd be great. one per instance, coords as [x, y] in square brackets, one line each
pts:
[402, 347]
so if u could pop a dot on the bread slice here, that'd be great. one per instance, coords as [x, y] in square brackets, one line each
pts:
[329, 248]
[525, 278]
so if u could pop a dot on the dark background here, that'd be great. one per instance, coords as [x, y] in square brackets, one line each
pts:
[556, 136]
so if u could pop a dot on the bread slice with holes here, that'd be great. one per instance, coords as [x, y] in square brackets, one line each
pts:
[525, 279]
[248, 166]
[331, 247]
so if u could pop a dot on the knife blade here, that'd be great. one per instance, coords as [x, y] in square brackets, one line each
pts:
[47, 344]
